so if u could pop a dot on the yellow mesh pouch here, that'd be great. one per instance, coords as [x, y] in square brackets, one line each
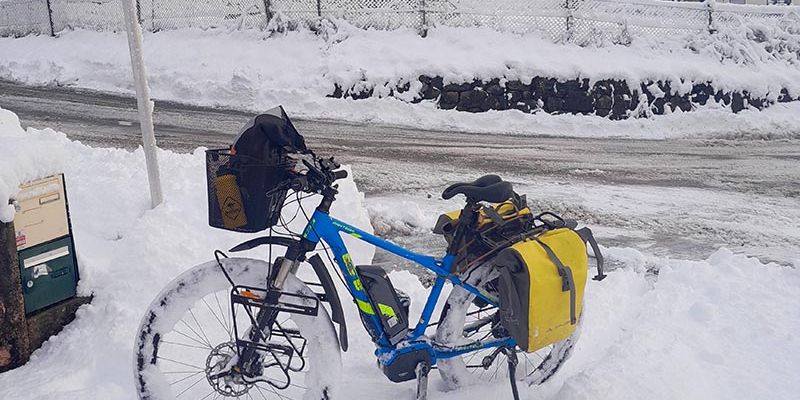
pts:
[230, 201]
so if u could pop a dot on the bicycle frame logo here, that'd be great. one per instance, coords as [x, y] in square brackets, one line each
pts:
[322, 226]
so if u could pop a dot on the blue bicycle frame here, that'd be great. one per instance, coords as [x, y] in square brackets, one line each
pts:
[322, 226]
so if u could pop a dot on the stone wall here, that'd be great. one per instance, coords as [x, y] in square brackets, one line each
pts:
[614, 99]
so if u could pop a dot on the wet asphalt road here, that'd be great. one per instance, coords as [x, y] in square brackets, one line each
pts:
[98, 119]
[679, 198]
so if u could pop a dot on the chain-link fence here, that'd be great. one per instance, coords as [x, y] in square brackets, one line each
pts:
[580, 21]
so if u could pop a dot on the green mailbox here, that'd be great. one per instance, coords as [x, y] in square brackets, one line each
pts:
[47, 261]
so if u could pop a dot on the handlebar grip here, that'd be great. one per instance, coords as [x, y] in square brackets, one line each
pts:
[339, 174]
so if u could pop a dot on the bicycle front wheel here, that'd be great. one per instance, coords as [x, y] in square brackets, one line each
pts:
[466, 321]
[186, 343]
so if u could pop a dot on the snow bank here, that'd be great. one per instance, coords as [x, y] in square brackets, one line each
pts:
[25, 157]
[723, 328]
[250, 70]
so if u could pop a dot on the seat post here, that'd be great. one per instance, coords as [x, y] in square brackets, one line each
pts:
[466, 222]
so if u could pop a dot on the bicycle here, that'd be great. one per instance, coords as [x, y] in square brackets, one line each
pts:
[273, 339]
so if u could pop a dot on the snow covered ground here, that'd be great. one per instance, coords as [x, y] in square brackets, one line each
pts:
[249, 70]
[661, 326]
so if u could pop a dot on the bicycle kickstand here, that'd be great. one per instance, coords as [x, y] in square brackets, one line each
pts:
[511, 355]
[422, 370]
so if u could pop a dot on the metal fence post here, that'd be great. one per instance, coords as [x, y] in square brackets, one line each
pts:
[423, 29]
[319, 8]
[568, 21]
[710, 8]
[50, 18]
[267, 11]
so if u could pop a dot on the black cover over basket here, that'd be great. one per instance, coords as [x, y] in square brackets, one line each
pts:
[247, 184]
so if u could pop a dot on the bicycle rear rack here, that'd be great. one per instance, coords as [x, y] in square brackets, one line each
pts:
[282, 347]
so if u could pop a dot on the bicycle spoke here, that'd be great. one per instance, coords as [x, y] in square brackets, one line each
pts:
[528, 363]
[183, 344]
[202, 378]
[218, 319]
[474, 353]
[226, 314]
[214, 392]
[276, 393]
[259, 391]
[199, 326]
[186, 377]
[496, 370]
[179, 372]
[181, 363]
[297, 386]
[199, 338]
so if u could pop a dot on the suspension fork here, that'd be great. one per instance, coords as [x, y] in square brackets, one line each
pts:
[288, 264]
[266, 317]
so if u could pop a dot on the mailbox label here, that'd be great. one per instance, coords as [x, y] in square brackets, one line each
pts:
[21, 239]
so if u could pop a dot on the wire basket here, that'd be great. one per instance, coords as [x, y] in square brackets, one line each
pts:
[244, 194]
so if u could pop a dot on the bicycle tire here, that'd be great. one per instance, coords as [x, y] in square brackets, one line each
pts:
[193, 287]
[462, 371]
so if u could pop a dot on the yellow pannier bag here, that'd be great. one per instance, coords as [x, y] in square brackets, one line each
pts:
[542, 280]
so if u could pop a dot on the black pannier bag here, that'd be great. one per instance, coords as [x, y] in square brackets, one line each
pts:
[498, 226]
[247, 183]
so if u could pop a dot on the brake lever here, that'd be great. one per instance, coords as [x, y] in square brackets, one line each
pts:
[333, 163]
[299, 184]
[314, 168]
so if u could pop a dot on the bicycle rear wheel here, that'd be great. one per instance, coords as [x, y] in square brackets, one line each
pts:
[464, 322]
[186, 339]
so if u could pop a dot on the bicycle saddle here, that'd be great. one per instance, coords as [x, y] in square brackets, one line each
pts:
[489, 188]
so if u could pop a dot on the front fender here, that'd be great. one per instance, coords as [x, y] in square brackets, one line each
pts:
[337, 314]
[260, 241]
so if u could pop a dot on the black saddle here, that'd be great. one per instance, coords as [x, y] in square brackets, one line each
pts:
[489, 188]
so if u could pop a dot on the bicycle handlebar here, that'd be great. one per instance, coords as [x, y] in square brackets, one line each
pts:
[319, 175]
[339, 175]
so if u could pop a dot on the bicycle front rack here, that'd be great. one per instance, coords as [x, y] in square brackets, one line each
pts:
[281, 346]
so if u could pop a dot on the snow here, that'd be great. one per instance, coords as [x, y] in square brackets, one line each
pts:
[715, 329]
[26, 157]
[126, 253]
[254, 70]
[658, 327]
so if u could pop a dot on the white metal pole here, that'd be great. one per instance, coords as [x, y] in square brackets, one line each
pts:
[143, 100]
